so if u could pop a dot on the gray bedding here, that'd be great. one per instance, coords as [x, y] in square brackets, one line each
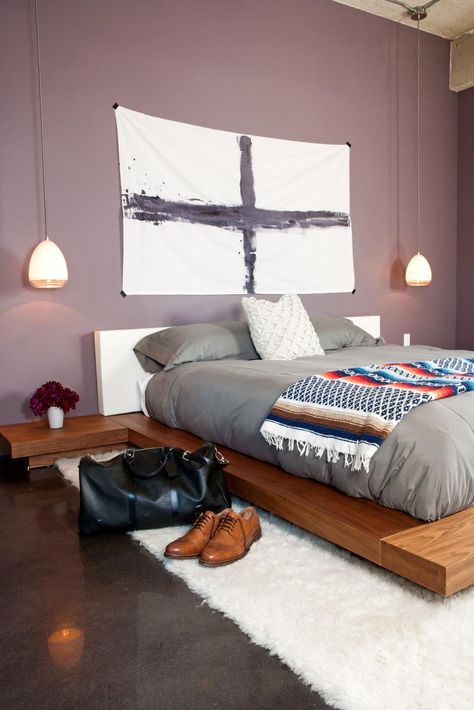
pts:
[425, 467]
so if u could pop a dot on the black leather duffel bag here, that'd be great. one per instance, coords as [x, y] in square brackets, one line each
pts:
[150, 488]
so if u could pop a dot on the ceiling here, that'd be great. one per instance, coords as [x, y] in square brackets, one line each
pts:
[447, 18]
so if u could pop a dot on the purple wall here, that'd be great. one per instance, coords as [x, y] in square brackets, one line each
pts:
[465, 284]
[310, 70]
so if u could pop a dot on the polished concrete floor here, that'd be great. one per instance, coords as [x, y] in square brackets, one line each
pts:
[99, 623]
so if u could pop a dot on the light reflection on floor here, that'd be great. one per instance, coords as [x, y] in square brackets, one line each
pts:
[66, 645]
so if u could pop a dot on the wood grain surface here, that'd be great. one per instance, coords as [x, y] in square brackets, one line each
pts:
[439, 556]
[35, 438]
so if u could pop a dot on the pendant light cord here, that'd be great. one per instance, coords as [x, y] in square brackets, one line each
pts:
[38, 66]
[418, 222]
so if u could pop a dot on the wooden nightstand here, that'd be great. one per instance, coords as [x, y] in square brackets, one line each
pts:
[41, 446]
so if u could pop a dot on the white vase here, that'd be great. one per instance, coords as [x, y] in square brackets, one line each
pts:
[55, 417]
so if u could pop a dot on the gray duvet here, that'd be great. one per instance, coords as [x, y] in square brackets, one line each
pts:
[425, 467]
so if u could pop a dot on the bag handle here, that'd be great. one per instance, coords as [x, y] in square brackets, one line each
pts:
[190, 455]
[129, 458]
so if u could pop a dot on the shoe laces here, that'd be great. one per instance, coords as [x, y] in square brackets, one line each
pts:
[202, 521]
[227, 523]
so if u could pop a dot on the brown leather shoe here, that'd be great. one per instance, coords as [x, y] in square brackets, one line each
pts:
[190, 545]
[234, 537]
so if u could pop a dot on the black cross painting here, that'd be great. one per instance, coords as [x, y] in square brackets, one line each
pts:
[157, 194]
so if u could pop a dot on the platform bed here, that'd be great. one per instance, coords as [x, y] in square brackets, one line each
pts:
[438, 556]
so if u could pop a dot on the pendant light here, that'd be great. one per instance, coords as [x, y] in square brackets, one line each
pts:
[418, 271]
[48, 268]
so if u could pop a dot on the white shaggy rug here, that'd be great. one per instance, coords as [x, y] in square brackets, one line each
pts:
[363, 638]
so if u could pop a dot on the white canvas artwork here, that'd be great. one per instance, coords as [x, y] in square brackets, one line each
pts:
[215, 212]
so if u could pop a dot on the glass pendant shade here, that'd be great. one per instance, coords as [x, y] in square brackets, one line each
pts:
[48, 268]
[418, 271]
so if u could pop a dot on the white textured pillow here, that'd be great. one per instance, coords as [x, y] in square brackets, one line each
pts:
[281, 330]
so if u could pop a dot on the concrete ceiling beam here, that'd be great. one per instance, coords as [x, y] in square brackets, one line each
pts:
[461, 74]
[447, 18]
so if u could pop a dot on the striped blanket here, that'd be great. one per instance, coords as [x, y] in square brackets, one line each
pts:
[351, 412]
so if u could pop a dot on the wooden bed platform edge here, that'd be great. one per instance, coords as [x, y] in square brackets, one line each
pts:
[438, 556]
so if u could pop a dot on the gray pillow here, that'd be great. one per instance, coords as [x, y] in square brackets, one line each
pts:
[335, 333]
[148, 364]
[179, 344]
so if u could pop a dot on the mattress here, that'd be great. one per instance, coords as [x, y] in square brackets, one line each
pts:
[424, 468]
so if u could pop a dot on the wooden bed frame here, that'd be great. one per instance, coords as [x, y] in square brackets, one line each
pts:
[438, 556]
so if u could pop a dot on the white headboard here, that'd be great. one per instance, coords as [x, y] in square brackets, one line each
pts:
[118, 369]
